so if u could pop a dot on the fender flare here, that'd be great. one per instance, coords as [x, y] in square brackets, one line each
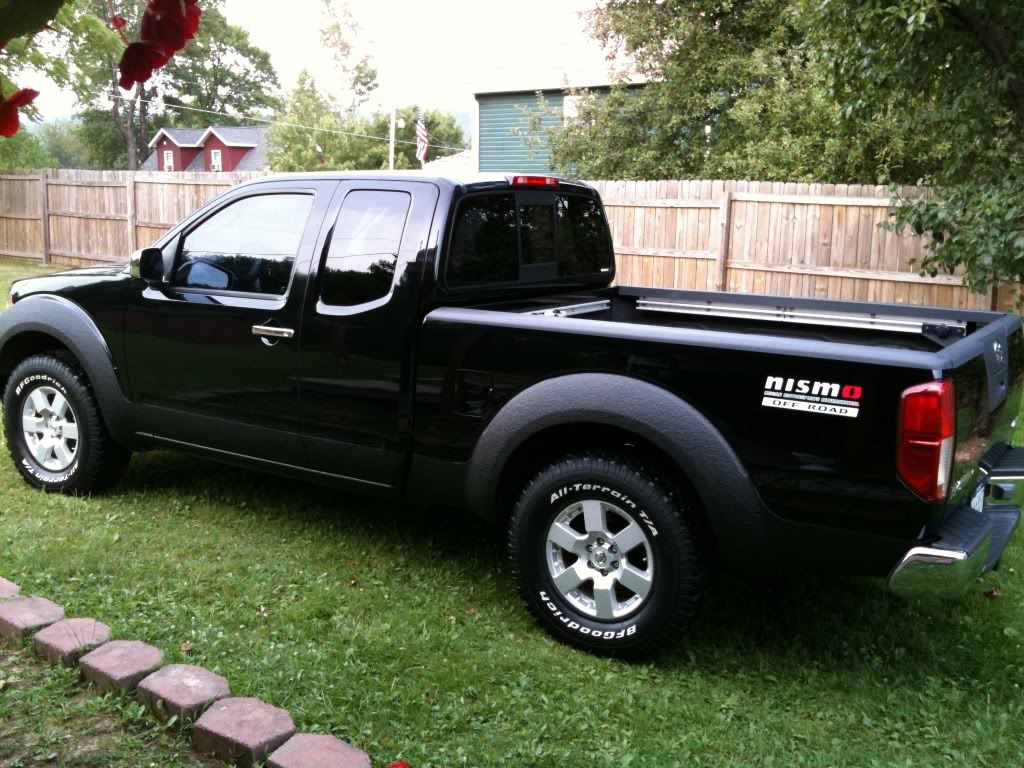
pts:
[71, 325]
[742, 524]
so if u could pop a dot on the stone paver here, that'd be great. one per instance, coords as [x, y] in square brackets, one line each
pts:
[8, 589]
[181, 690]
[306, 750]
[25, 615]
[70, 639]
[120, 665]
[242, 731]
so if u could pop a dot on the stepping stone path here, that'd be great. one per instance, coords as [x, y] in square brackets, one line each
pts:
[181, 690]
[306, 750]
[120, 665]
[8, 589]
[69, 639]
[242, 731]
[25, 615]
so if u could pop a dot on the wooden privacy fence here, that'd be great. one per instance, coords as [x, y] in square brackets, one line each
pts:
[89, 217]
[814, 240]
[817, 240]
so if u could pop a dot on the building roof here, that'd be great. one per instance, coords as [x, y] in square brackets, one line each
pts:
[183, 137]
[236, 135]
[232, 135]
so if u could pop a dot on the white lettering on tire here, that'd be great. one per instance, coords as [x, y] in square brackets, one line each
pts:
[608, 634]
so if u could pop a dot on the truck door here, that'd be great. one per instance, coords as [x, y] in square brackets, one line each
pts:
[359, 326]
[213, 352]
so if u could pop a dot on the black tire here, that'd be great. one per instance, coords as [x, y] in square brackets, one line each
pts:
[97, 461]
[625, 490]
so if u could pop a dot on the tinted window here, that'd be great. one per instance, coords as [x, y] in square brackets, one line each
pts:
[483, 248]
[558, 236]
[249, 246]
[360, 263]
[583, 243]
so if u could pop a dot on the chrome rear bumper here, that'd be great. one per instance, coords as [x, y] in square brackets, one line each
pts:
[971, 543]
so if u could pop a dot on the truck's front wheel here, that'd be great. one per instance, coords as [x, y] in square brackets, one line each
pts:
[54, 430]
[604, 556]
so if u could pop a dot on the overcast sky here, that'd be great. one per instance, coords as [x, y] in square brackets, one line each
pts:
[436, 53]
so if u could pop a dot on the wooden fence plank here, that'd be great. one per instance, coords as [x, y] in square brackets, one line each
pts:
[44, 219]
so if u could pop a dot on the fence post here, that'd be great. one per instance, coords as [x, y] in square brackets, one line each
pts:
[725, 225]
[44, 215]
[132, 216]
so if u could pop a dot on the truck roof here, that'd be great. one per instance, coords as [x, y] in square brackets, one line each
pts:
[468, 181]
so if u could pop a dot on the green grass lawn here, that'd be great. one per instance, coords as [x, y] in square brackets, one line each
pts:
[48, 719]
[398, 630]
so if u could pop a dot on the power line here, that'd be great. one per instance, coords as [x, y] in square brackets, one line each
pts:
[222, 113]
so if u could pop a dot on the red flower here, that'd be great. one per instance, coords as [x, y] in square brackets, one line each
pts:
[167, 26]
[400, 764]
[138, 62]
[9, 110]
[170, 23]
[119, 22]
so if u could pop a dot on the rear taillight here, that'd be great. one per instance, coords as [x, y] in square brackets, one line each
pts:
[926, 431]
[534, 181]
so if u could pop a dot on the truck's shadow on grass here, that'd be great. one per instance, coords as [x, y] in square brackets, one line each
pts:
[801, 619]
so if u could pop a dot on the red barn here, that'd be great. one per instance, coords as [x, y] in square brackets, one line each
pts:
[217, 148]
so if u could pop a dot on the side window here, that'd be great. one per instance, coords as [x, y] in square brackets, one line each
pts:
[360, 263]
[249, 246]
[483, 247]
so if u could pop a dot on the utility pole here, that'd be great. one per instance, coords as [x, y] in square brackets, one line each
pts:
[391, 151]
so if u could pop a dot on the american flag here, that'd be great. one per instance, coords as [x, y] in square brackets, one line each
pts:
[422, 141]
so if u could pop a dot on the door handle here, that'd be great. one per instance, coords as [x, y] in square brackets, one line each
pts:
[272, 332]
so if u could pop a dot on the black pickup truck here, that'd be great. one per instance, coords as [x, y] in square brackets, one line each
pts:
[461, 342]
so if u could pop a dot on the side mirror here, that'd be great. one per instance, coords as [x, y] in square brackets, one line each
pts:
[148, 265]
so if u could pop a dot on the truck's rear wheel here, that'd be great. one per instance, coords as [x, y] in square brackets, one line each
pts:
[54, 430]
[604, 557]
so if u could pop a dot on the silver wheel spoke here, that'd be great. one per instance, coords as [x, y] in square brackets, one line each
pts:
[629, 537]
[31, 424]
[39, 401]
[571, 577]
[41, 451]
[60, 405]
[594, 516]
[63, 454]
[635, 580]
[565, 537]
[70, 431]
[604, 599]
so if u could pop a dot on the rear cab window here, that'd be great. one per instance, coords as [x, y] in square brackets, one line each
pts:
[527, 236]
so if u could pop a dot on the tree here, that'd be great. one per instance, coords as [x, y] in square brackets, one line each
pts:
[733, 91]
[313, 134]
[357, 74]
[220, 72]
[24, 151]
[316, 143]
[62, 140]
[952, 69]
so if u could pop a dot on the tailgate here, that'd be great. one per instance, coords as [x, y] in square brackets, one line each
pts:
[989, 380]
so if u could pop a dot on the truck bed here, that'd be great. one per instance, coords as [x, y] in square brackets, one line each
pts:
[924, 329]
